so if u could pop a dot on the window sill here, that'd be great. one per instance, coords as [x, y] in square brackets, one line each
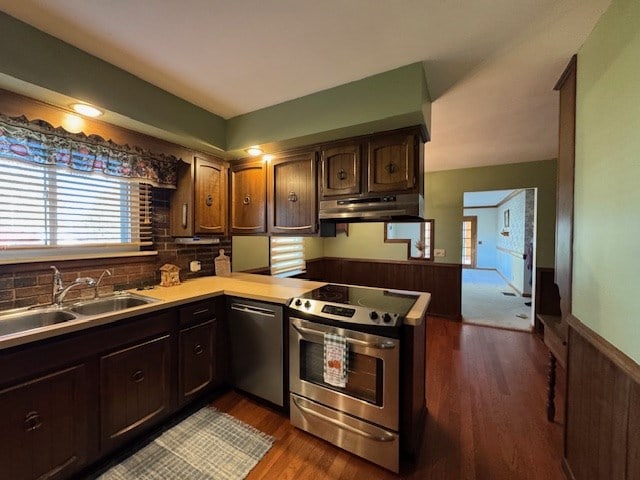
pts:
[76, 256]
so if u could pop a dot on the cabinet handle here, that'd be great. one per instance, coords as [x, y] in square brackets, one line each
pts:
[185, 214]
[292, 197]
[32, 422]
[391, 168]
[342, 174]
[137, 376]
[209, 200]
[198, 349]
[246, 200]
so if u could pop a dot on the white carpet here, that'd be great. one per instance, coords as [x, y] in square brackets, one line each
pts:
[483, 301]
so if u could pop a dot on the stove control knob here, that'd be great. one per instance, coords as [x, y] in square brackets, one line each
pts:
[298, 302]
[386, 318]
[373, 315]
[307, 304]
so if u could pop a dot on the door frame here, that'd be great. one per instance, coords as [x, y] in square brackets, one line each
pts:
[474, 240]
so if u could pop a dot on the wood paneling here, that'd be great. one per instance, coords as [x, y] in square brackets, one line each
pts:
[442, 280]
[547, 296]
[603, 408]
[565, 185]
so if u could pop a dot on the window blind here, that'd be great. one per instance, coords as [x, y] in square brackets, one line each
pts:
[287, 256]
[47, 207]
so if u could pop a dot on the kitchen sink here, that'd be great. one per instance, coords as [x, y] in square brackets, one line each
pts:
[28, 320]
[110, 304]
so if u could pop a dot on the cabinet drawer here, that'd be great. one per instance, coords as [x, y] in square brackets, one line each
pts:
[197, 359]
[44, 426]
[135, 389]
[198, 312]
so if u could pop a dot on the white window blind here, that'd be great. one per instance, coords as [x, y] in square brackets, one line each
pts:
[43, 207]
[287, 256]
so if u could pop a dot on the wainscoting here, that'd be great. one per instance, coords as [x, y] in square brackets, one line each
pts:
[602, 428]
[442, 280]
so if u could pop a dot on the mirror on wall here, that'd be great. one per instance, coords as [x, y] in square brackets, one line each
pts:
[417, 235]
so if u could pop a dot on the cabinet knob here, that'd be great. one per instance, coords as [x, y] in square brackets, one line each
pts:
[292, 197]
[209, 200]
[342, 174]
[198, 349]
[391, 167]
[32, 421]
[137, 376]
[246, 200]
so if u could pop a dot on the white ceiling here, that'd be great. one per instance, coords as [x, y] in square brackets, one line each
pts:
[490, 64]
[485, 199]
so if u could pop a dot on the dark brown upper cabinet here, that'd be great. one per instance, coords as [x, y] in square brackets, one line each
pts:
[199, 204]
[248, 197]
[292, 194]
[391, 163]
[340, 171]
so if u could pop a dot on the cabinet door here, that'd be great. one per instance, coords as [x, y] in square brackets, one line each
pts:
[43, 426]
[292, 194]
[181, 210]
[196, 359]
[391, 163]
[134, 389]
[210, 197]
[248, 198]
[340, 171]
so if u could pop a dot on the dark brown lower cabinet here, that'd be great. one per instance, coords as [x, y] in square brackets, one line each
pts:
[44, 426]
[197, 361]
[135, 389]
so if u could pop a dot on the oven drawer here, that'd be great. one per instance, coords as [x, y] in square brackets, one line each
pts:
[377, 445]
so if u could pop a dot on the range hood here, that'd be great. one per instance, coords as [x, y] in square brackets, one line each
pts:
[382, 208]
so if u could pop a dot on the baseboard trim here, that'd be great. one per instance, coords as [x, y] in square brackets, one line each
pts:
[518, 291]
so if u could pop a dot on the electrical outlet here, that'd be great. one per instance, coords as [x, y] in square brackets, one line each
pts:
[439, 252]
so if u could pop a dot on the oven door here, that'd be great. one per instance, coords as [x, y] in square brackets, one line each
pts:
[372, 388]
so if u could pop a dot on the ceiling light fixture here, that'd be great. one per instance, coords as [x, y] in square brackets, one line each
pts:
[254, 151]
[267, 157]
[86, 110]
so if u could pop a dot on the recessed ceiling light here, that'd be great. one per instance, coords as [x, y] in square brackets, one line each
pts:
[254, 151]
[87, 110]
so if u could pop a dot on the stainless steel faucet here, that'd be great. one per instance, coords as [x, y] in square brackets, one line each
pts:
[59, 292]
[95, 291]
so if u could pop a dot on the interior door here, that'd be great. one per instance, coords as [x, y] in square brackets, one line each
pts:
[469, 241]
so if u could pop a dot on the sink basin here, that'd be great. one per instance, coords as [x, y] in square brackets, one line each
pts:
[109, 304]
[20, 322]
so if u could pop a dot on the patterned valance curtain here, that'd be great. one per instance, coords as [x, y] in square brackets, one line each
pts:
[40, 143]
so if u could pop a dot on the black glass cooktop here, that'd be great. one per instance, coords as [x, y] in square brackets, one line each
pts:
[376, 299]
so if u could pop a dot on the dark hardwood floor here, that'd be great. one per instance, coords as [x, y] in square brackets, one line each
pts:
[486, 393]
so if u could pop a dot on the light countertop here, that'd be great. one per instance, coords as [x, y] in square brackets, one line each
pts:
[255, 287]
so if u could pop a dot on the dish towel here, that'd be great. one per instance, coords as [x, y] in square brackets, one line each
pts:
[336, 354]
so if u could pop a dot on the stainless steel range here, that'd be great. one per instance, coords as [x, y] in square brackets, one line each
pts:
[362, 414]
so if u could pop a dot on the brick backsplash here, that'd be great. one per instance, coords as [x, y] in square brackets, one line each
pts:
[28, 284]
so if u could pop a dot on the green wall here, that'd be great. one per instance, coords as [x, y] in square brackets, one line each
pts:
[444, 196]
[35, 57]
[606, 265]
[393, 99]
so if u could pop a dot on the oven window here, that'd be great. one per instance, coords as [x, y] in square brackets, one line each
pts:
[365, 373]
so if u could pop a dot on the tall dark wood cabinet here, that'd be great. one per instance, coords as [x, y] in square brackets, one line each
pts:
[135, 386]
[340, 170]
[44, 426]
[199, 203]
[292, 194]
[565, 185]
[248, 197]
[391, 163]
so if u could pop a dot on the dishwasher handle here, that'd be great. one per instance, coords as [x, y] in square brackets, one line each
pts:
[250, 309]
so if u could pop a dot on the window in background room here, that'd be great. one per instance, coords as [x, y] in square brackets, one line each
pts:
[469, 234]
[287, 256]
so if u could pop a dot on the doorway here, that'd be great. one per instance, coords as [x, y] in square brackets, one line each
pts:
[498, 257]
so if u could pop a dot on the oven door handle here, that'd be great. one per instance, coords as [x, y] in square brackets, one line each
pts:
[339, 424]
[386, 345]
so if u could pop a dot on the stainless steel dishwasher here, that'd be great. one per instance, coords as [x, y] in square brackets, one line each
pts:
[257, 354]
